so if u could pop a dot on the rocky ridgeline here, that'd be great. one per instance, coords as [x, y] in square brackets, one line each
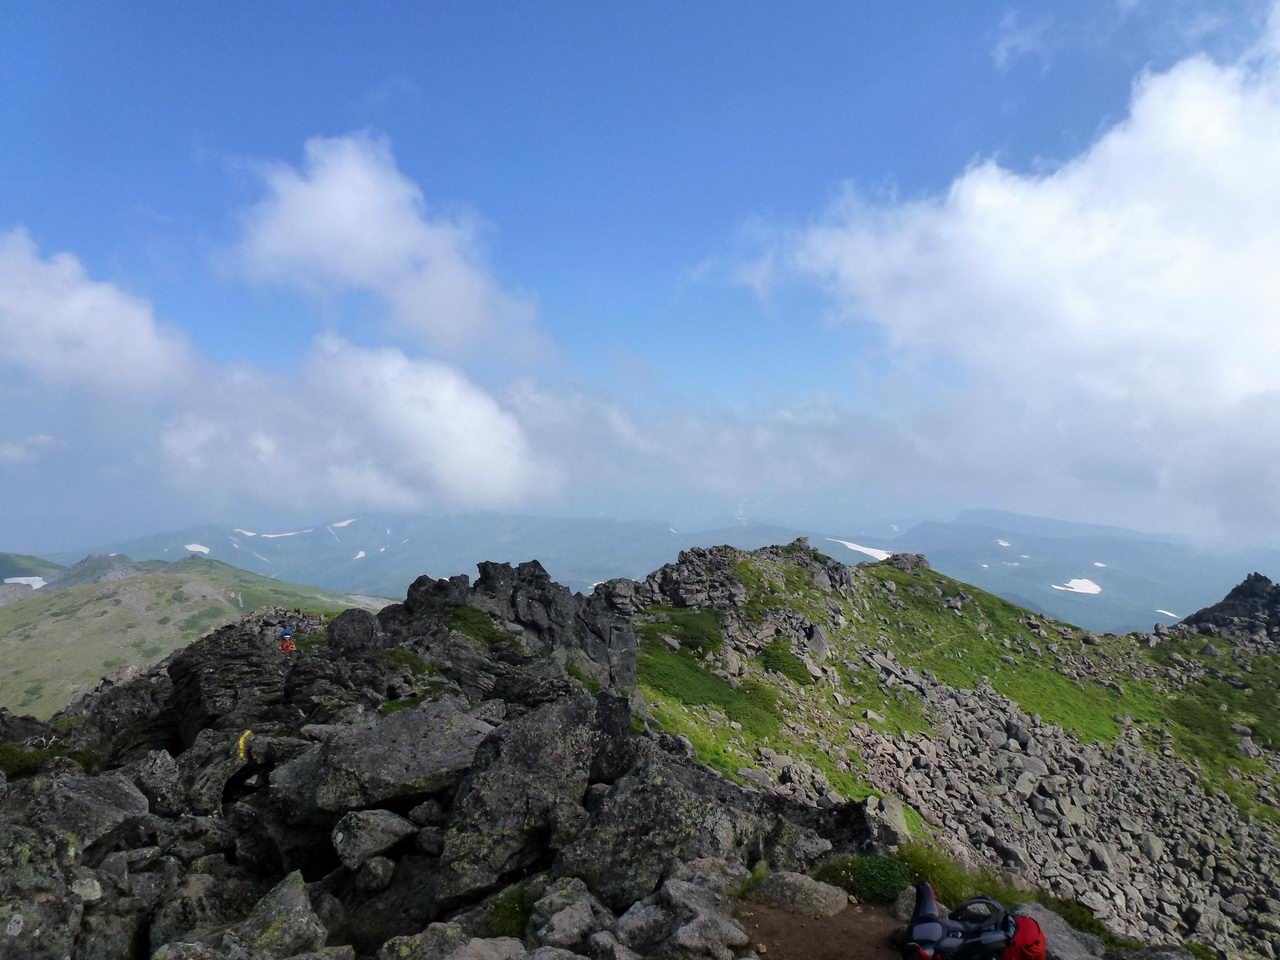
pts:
[425, 783]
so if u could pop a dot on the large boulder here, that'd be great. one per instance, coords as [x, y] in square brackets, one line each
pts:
[408, 755]
[524, 798]
[797, 893]
[567, 915]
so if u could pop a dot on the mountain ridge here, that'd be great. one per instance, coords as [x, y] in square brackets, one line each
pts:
[859, 710]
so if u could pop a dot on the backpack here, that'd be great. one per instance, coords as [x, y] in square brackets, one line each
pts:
[1027, 942]
[977, 929]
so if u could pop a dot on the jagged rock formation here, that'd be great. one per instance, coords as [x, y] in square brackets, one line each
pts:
[1250, 613]
[422, 782]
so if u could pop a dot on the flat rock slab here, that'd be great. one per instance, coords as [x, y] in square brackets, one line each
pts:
[799, 894]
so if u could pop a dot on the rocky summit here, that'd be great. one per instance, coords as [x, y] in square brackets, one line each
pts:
[505, 769]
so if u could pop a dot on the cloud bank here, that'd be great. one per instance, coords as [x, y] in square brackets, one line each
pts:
[1115, 322]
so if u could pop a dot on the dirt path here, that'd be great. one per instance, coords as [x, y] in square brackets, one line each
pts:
[855, 933]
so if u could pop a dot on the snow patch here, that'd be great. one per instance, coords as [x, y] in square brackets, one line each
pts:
[1003, 543]
[359, 556]
[35, 583]
[196, 548]
[869, 551]
[247, 533]
[1098, 564]
[334, 535]
[291, 533]
[1170, 614]
[343, 523]
[382, 549]
[984, 565]
[1079, 585]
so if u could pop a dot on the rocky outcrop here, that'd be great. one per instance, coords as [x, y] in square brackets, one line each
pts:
[1250, 613]
[409, 785]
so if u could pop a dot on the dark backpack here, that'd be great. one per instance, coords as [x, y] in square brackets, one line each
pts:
[977, 929]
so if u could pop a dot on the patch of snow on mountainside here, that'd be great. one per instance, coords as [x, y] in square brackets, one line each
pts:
[35, 583]
[1003, 543]
[343, 523]
[869, 551]
[291, 533]
[1168, 613]
[359, 556]
[247, 533]
[196, 548]
[1098, 564]
[1079, 585]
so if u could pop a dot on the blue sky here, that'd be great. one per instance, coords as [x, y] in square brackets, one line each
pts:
[647, 193]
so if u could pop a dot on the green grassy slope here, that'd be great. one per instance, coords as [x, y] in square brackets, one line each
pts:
[57, 644]
[1022, 656]
[21, 565]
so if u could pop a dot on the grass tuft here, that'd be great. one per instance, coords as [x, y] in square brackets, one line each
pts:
[477, 625]
[779, 658]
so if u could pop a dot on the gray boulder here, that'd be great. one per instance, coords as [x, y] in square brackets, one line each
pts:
[355, 631]
[362, 834]
[566, 915]
[797, 893]
[434, 943]
[496, 948]
[282, 923]
[525, 796]
[408, 755]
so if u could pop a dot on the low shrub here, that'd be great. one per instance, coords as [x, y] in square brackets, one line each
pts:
[778, 657]
[871, 879]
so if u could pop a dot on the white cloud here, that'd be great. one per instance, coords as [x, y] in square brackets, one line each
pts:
[360, 427]
[26, 449]
[1016, 39]
[58, 325]
[349, 219]
[1112, 324]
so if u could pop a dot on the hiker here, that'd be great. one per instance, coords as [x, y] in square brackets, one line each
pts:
[286, 640]
[977, 929]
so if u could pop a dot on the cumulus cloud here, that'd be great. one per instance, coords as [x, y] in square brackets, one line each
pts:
[1110, 328]
[357, 426]
[349, 219]
[59, 326]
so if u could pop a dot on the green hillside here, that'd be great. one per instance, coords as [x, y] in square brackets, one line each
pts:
[21, 565]
[57, 644]
[1184, 694]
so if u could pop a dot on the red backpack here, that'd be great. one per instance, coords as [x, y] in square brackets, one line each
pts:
[1027, 942]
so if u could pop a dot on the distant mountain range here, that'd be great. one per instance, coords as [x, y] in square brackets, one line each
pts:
[1101, 578]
